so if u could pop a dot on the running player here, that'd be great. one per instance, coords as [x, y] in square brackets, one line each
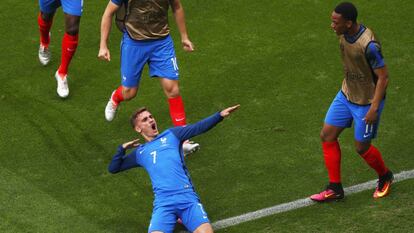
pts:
[72, 12]
[146, 40]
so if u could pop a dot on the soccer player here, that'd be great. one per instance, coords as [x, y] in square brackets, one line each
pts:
[72, 12]
[361, 101]
[146, 40]
[162, 158]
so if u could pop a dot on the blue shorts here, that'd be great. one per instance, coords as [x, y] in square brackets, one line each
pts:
[71, 7]
[158, 54]
[342, 113]
[185, 206]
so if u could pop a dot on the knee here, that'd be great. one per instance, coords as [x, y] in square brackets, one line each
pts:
[326, 137]
[361, 149]
[72, 24]
[72, 29]
[129, 93]
[204, 228]
[46, 17]
[322, 136]
[172, 92]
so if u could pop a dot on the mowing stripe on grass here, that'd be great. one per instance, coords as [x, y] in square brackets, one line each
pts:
[404, 175]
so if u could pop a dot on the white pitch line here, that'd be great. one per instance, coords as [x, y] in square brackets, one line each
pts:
[228, 222]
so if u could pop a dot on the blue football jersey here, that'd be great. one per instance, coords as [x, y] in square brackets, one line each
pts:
[163, 159]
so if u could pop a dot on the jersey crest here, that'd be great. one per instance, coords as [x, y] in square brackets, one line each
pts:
[163, 140]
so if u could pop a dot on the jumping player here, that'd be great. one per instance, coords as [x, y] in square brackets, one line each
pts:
[361, 101]
[162, 158]
[146, 40]
[72, 12]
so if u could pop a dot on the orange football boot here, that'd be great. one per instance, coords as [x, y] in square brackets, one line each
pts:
[384, 185]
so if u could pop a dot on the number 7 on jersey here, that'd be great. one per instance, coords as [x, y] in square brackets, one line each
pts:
[154, 156]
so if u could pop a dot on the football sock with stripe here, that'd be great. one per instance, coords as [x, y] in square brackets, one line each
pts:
[177, 112]
[69, 45]
[117, 96]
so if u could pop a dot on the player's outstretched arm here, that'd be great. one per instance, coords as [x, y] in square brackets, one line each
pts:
[226, 112]
[106, 24]
[189, 131]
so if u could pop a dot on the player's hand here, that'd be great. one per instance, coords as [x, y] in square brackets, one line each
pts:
[104, 54]
[131, 144]
[229, 110]
[371, 116]
[187, 45]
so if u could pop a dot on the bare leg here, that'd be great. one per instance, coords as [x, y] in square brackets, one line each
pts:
[204, 228]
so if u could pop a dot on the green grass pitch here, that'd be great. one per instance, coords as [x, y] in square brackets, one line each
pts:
[279, 59]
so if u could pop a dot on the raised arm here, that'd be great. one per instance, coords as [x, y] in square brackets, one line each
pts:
[178, 12]
[120, 162]
[106, 25]
[189, 131]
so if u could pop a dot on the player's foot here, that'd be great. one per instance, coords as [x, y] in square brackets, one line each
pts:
[190, 147]
[44, 55]
[329, 194]
[384, 185]
[110, 109]
[62, 85]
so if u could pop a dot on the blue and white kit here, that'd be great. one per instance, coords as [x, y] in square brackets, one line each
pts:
[163, 159]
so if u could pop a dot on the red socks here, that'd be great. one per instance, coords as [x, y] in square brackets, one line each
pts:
[332, 156]
[44, 29]
[117, 96]
[374, 159]
[69, 45]
[177, 111]
[176, 107]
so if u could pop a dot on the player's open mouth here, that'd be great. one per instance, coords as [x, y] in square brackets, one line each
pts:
[154, 126]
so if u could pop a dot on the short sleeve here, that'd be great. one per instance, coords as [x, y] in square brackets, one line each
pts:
[117, 2]
[374, 55]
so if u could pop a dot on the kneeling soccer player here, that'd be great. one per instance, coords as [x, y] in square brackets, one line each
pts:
[163, 159]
